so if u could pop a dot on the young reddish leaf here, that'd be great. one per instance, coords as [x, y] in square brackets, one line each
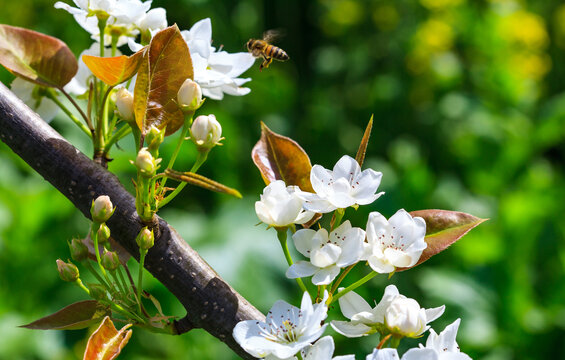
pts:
[114, 70]
[106, 342]
[75, 316]
[165, 66]
[360, 157]
[443, 228]
[281, 158]
[36, 57]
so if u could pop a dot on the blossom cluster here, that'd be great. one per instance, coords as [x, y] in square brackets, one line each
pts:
[384, 244]
[288, 330]
[217, 72]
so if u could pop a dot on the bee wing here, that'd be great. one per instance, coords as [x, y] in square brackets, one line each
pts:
[273, 34]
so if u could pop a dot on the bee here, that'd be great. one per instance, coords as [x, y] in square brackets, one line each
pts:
[262, 48]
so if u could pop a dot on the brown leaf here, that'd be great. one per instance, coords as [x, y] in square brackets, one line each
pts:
[79, 315]
[280, 158]
[166, 65]
[36, 57]
[360, 157]
[106, 342]
[443, 228]
[114, 70]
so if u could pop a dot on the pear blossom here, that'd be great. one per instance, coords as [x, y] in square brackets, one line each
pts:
[383, 354]
[393, 314]
[124, 104]
[279, 206]
[206, 132]
[328, 253]
[29, 94]
[323, 349]
[439, 347]
[286, 330]
[345, 186]
[124, 18]
[398, 242]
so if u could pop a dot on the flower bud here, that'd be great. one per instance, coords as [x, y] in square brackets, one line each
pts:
[189, 96]
[110, 260]
[206, 132]
[154, 139]
[124, 104]
[97, 291]
[146, 163]
[79, 251]
[145, 239]
[67, 271]
[103, 233]
[101, 209]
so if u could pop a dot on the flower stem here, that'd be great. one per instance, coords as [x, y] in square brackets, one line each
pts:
[123, 280]
[81, 285]
[199, 161]
[94, 236]
[281, 235]
[142, 253]
[100, 279]
[51, 95]
[355, 285]
[118, 283]
[119, 134]
[336, 219]
[341, 277]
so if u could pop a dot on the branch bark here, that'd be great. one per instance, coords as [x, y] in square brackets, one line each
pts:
[210, 302]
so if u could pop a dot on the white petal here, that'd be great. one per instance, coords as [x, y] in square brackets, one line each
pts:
[352, 303]
[320, 179]
[321, 350]
[303, 241]
[380, 265]
[300, 269]
[365, 186]
[347, 167]
[352, 247]
[420, 354]
[434, 313]
[325, 276]
[348, 329]
[383, 354]
[325, 256]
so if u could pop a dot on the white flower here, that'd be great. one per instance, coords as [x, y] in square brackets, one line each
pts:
[439, 347]
[345, 186]
[124, 18]
[124, 104]
[189, 95]
[286, 330]
[327, 253]
[28, 93]
[323, 349]
[398, 242]
[280, 206]
[206, 132]
[383, 354]
[216, 71]
[80, 83]
[392, 314]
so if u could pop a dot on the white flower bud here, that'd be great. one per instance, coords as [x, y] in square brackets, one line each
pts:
[206, 132]
[405, 317]
[101, 209]
[189, 95]
[146, 163]
[124, 103]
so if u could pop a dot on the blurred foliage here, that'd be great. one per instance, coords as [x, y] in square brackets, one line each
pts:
[469, 113]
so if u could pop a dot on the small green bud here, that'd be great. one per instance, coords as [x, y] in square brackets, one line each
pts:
[67, 271]
[110, 260]
[103, 233]
[154, 139]
[146, 163]
[97, 292]
[145, 239]
[101, 209]
[79, 251]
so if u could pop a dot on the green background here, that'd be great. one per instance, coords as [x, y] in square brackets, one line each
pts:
[469, 110]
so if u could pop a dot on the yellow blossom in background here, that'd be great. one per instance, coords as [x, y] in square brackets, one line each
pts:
[440, 4]
[524, 29]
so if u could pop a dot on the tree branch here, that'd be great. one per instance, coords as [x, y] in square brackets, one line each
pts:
[210, 302]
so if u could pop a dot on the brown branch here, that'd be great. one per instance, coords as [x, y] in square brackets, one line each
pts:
[210, 302]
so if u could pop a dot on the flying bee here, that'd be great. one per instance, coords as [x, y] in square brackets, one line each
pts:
[262, 48]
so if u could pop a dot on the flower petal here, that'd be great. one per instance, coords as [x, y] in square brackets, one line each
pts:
[325, 276]
[348, 329]
[301, 269]
[352, 303]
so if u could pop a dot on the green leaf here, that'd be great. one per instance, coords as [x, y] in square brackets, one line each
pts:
[106, 342]
[443, 228]
[36, 57]
[165, 66]
[114, 70]
[79, 315]
[280, 158]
